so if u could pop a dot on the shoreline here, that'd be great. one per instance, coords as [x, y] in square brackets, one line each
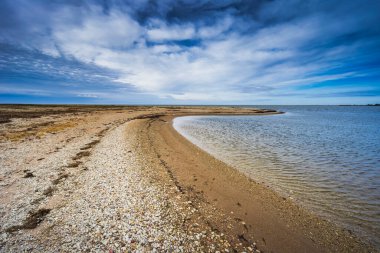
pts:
[227, 154]
[202, 203]
[276, 223]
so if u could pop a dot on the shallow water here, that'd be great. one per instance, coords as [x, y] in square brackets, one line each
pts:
[327, 158]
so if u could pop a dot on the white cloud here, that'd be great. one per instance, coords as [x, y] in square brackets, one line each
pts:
[9, 88]
[96, 33]
[160, 31]
[87, 95]
[213, 96]
[221, 67]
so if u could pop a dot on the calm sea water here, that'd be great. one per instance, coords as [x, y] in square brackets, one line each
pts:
[327, 158]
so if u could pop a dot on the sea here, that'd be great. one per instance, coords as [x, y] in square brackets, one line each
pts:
[325, 158]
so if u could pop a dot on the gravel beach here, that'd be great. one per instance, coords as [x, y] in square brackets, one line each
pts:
[95, 181]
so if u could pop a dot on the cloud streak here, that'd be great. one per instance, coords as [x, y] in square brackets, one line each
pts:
[220, 51]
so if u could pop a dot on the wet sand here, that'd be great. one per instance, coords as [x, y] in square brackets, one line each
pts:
[121, 178]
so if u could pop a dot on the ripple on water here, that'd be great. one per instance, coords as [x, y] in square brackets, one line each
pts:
[325, 157]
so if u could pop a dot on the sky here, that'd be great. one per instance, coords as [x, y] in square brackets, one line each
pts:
[190, 51]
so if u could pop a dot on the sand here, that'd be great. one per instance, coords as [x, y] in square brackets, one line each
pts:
[122, 179]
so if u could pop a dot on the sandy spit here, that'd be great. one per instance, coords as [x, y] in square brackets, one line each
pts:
[120, 179]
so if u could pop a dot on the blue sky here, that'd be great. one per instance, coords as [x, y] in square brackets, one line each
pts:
[190, 52]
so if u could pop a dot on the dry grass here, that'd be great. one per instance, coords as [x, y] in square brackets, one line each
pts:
[38, 131]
